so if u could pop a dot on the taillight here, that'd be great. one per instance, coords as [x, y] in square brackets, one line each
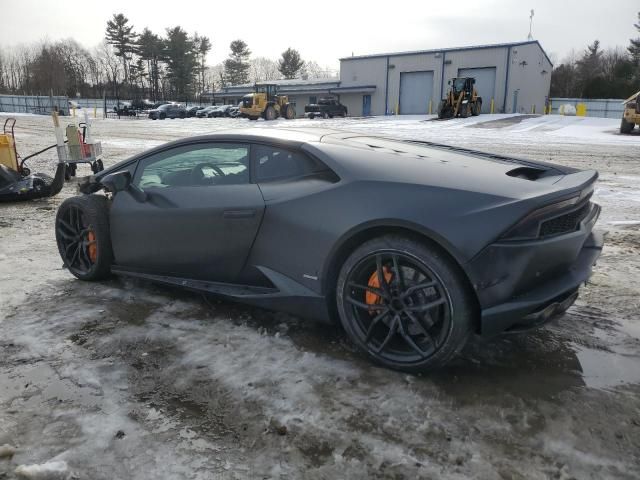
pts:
[529, 226]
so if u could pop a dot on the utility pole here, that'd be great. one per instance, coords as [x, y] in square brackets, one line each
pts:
[530, 36]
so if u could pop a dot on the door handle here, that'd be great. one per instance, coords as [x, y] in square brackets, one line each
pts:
[239, 213]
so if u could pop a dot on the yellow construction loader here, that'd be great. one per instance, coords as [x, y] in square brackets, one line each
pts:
[631, 114]
[462, 99]
[266, 103]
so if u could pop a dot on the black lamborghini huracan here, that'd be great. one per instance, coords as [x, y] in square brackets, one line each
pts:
[413, 246]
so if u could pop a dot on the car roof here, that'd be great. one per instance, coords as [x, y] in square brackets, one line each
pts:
[276, 135]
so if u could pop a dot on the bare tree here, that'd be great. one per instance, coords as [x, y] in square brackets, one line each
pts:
[314, 70]
[111, 65]
[263, 69]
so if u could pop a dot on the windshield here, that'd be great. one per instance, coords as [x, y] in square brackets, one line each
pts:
[458, 84]
[247, 101]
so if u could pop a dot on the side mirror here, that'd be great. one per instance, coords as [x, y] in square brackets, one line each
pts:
[121, 181]
[449, 82]
[117, 182]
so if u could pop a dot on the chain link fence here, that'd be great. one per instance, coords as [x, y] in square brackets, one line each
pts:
[603, 108]
[39, 104]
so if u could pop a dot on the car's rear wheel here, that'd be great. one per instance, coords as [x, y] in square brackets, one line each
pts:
[82, 234]
[404, 303]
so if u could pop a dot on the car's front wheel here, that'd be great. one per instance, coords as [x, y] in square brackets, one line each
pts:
[404, 303]
[82, 235]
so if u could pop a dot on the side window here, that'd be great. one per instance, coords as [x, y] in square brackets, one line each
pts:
[195, 165]
[273, 163]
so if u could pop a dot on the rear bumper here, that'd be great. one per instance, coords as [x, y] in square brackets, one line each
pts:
[523, 285]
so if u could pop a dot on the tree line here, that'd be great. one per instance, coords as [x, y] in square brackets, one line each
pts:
[129, 64]
[598, 73]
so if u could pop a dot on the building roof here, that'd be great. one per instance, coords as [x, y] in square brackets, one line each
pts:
[296, 86]
[299, 81]
[450, 49]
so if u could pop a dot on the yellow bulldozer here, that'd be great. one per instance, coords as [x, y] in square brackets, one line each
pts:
[266, 103]
[462, 99]
[631, 114]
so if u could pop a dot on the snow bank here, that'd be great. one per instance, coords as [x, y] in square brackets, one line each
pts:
[45, 471]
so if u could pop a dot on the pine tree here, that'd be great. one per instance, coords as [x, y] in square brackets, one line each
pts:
[121, 35]
[149, 48]
[203, 46]
[589, 69]
[236, 67]
[634, 48]
[180, 56]
[290, 65]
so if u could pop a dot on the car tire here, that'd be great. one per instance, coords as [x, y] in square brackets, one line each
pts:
[83, 238]
[626, 127]
[421, 318]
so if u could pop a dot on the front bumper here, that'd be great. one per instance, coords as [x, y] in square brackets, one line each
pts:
[524, 284]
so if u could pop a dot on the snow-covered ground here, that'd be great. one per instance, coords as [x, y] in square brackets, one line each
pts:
[125, 379]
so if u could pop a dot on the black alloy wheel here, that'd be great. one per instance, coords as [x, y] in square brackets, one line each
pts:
[82, 235]
[397, 304]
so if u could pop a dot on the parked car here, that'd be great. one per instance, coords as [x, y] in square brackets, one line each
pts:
[325, 108]
[234, 112]
[191, 111]
[142, 104]
[124, 109]
[169, 110]
[412, 246]
[221, 111]
[204, 113]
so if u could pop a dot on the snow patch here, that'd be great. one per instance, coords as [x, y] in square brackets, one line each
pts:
[57, 470]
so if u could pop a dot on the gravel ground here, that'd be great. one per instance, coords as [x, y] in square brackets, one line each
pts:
[124, 379]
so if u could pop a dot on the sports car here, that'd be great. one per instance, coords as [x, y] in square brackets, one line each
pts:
[412, 246]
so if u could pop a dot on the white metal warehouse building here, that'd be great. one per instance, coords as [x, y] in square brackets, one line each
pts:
[516, 76]
[510, 78]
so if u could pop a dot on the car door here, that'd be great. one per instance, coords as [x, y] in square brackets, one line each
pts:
[200, 216]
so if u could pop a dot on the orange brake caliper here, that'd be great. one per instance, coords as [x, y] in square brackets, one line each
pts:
[92, 247]
[374, 282]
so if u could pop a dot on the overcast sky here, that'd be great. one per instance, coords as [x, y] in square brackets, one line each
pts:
[329, 29]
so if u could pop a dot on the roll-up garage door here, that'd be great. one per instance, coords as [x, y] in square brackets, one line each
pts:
[485, 84]
[416, 89]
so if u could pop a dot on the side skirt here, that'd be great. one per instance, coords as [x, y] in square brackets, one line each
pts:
[286, 295]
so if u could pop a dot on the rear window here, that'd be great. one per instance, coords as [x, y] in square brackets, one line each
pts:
[273, 163]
